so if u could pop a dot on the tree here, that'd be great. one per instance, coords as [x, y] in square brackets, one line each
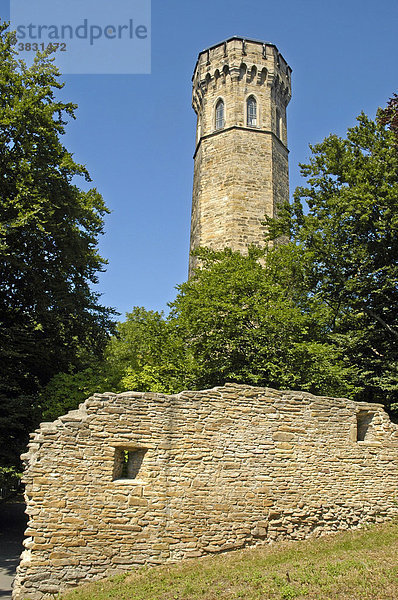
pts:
[349, 241]
[50, 319]
[389, 116]
[249, 319]
[146, 354]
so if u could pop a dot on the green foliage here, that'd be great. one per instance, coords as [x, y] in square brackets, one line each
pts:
[250, 319]
[9, 478]
[148, 354]
[50, 320]
[66, 391]
[349, 243]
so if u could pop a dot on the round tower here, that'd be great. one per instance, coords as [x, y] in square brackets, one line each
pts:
[241, 89]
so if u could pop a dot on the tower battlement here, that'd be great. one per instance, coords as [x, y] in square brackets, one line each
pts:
[256, 63]
[241, 88]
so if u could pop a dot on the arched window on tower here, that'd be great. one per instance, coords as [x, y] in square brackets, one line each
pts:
[251, 112]
[278, 123]
[220, 114]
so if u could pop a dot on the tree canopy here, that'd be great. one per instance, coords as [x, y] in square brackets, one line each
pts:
[238, 319]
[50, 318]
[389, 116]
[349, 242]
[250, 319]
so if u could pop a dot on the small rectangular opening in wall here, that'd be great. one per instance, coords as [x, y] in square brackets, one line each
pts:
[364, 421]
[128, 462]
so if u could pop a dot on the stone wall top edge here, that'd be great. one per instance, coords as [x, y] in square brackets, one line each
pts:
[209, 393]
[255, 393]
[251, 393]
[235, 393]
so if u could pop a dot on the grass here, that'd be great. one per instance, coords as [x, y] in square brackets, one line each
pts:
[357, 565]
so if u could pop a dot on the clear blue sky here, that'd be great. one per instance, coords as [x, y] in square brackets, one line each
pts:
[136, 133]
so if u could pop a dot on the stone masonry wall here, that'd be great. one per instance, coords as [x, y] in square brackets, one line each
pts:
[233, 217]
[144, 478]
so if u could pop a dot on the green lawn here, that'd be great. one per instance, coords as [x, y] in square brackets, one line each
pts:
[359, 565]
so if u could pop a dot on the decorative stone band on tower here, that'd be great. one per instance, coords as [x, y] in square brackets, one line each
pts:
[241, 89]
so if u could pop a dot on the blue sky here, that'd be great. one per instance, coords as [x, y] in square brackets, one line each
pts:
[136, 133]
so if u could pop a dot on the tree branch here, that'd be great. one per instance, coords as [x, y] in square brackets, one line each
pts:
[370, 312]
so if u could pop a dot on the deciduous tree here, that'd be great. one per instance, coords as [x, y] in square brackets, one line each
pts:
[349, 241]
[250, 319]
[50, 318]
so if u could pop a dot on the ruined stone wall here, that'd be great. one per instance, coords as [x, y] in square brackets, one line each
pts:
[142, 478]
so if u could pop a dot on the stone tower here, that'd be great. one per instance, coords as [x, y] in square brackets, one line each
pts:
[241, 89]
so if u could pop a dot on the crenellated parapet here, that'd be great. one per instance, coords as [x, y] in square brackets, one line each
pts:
[241, 62]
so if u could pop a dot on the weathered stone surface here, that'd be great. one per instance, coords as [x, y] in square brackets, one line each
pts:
[241, 169]
[231, 482]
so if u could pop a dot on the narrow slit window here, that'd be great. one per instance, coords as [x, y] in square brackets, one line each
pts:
[128, 462]
[251, 112]
[278, 123]
[364, 423]
[220, 114]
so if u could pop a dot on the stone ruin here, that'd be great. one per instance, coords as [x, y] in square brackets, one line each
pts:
[142, 479]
